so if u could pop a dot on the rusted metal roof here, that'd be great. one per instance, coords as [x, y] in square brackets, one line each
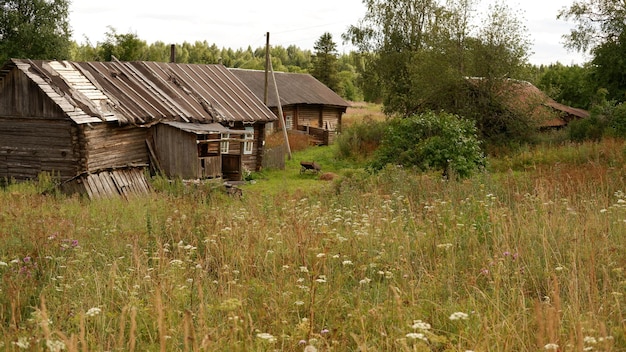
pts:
[144, 93]
[293, 88]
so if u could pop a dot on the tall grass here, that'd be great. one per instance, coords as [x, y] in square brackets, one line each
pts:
[518, 259]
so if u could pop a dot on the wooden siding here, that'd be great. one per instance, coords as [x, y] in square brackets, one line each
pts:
[331, 119]
[21, 97]
[309, 116]
[109, 183]
[252, 162]
[31, 146]
[177, 152]
[110, 146]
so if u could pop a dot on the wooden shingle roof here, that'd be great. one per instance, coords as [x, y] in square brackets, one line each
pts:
[293, 88]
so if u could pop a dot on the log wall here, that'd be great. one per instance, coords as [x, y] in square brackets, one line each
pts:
[29, 146]
[110, 146]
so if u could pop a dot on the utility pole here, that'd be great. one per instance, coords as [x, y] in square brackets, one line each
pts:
[267, 66]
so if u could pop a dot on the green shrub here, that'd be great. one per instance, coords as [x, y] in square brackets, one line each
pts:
[589, 129]
[616, 124]
[360, 140]
[431, 141]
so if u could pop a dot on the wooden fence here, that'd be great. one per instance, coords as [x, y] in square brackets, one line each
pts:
[274, 158]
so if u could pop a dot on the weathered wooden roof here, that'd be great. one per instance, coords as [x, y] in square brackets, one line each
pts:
[293, 88]
[525, 98]
[144, 93]
[202, 128]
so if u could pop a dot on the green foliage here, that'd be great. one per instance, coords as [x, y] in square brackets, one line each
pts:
[125, 47]
[589, 129]
[325, 61]
[361, 139]
[415, 52]
[601, 30]
[431, 141]
[617, 121]
[597, 22]
[609, 67]
[569, 85]
[34, 29]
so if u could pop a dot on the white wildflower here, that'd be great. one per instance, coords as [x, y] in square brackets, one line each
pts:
[176, 262]
[22, 343]
[416, 335]
[459, 316]
[420, 325]
[92, 312]
[365, 281]
[590, 340]
[267, 337]
[551, 347]
[55, 345]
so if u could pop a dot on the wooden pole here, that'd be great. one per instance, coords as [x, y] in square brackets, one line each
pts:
[267, 66]
[280, 113]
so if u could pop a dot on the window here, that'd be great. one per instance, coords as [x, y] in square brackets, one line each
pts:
[225, 143]
[288, 122]
[248, 143]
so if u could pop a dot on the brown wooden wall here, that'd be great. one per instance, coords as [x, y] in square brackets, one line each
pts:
[21, 97]
[29, 146]
[177, 151]
[109, 145]
[312, 115]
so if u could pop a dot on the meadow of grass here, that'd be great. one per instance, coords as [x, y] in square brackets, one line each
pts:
[527, 256]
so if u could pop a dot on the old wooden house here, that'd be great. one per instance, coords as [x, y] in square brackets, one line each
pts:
[97, 125]
[308, 105]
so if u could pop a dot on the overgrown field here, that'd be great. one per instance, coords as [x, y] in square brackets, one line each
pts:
[528, 256]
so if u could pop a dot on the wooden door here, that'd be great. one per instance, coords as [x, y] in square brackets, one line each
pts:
[231, 167]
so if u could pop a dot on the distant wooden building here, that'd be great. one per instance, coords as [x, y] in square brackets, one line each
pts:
[308, 105]
[97, 125]
[526, 99]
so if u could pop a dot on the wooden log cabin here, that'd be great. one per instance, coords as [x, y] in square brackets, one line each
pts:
[97, 125]
[308, 105]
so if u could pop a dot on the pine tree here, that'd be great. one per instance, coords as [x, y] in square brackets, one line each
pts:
[325, 62]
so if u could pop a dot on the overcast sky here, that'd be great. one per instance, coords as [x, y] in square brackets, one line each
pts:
[237, 24]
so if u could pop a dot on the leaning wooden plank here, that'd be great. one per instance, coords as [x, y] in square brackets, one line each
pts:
[121, 186]
[139, 181]
[136, 181]
[132, 187]
[104, 181]
[110, 185]
[91, 188]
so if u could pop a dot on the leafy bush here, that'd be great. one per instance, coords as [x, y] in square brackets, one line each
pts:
[616, 124]
[428, 141]
[360, 140]
[589, 129]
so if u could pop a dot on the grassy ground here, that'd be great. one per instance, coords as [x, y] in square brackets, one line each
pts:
[526, 256]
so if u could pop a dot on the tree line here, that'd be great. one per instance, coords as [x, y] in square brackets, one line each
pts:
[411, 55]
